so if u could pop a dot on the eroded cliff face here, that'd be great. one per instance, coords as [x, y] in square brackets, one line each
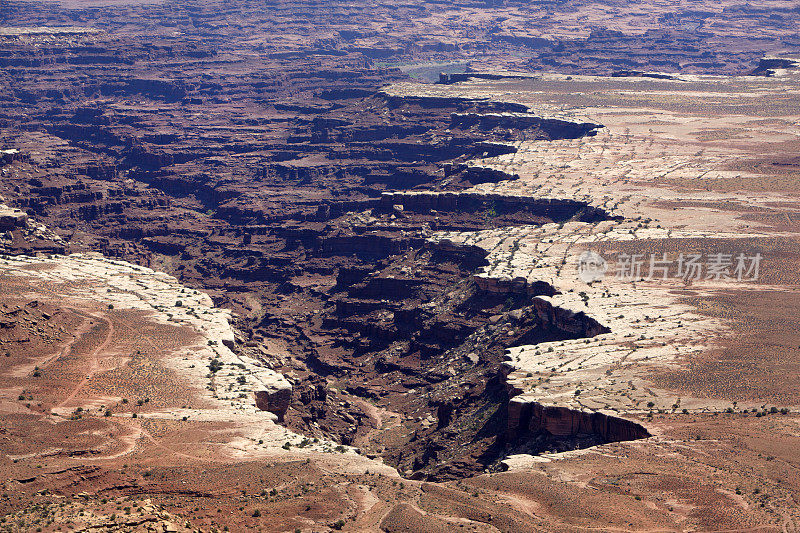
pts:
[422, 337]
[469, 431]
[11, 219]
[254, 151]
[529, 420]
[372, 314]
[534, 428]
[274, 400]
[514, 206]
[305, 203]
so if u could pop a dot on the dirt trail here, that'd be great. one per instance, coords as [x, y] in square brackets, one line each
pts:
[93, 365]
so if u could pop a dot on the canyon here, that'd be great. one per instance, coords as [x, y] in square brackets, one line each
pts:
[317, 265]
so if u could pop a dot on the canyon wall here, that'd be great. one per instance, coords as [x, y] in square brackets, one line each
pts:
[527, 417]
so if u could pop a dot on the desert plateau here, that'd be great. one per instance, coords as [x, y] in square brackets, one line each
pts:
[448, 265]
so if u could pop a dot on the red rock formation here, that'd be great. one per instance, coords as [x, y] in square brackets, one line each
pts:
[274, 400]
[526, 417]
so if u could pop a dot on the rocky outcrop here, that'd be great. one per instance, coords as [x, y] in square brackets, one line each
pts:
[12, 218]
[640, 74]
[275, 399]
[526, 418]
[554, 128]
[517, 285]
[476, 175]
[464, 76]
[9, 156]
[432, 102]
[468, 255]
[769, 66]
[533, 425]
[522, 40]
[554, 209]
